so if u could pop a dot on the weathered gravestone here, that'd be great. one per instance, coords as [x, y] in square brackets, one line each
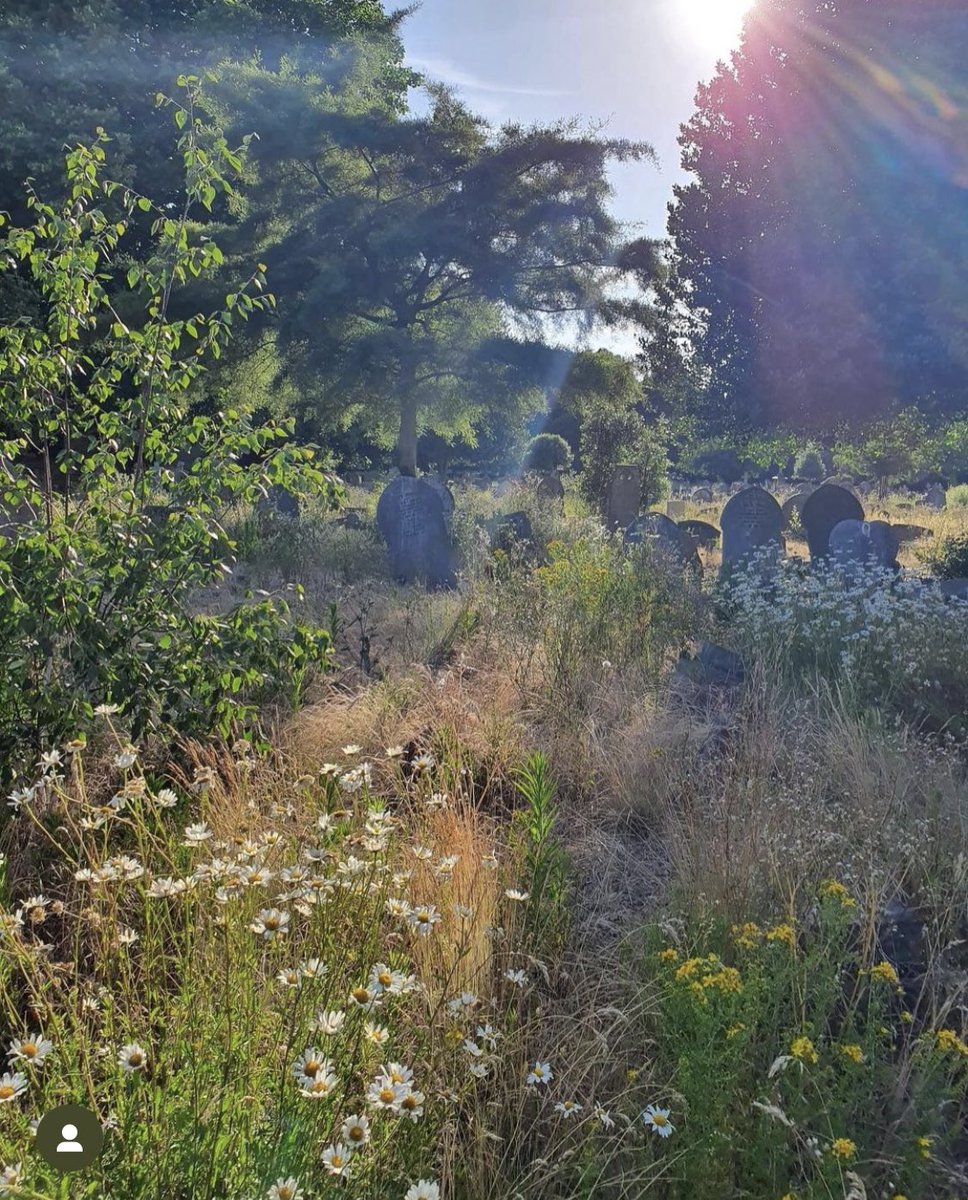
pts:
[857, 544]
[410, 516]
[676, 509]
[624, 497]
[751, 521]
[665, 536]
[703, 495]
[279, 504]
[550, 489]
[794, 504]
[823, 510]
[444, 493]
[512, 533]
[910, 533]
[936, 496]
[702, 533]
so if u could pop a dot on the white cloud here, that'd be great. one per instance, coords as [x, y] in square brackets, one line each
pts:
[446, 71]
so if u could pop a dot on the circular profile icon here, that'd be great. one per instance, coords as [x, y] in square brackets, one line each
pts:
[70, 1137]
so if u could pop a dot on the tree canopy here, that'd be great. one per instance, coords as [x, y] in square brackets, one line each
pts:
[821, 240]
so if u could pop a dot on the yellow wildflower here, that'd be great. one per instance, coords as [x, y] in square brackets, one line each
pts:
[746, 935]
[733, 1030]
[924, 1146]
[689, 968]
[907, 1017]
[884, 973]
[947, 1040]
[669, 955]
[782, 933]
[726, 980]
[803, 1049]
[632, 1075]
[837, 891]
[853, 1052]
[843, 1148]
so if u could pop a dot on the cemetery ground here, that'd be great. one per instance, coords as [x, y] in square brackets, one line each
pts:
[582, 879]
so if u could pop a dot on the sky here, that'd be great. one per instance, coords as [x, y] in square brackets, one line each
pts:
[632, 64]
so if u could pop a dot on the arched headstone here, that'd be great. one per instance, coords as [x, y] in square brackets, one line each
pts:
[856, 544]
[702, 533]
[794, 504]
[624, 497]
[825, 508]
[410, 516]
[444, 493]
[750, 521]
[666, 536]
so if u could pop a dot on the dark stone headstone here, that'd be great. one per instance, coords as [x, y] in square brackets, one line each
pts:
[444, 493]
[825, 508]
[352, 518]
[752, 520]
[703, 495]
[664, 535]
[702, 533]
[512, 533]
[410, 516]
[856, 544]
[550, 489]
[624, 497]
[910, 533]
[794, 504]
[936, 497]
[279, 503]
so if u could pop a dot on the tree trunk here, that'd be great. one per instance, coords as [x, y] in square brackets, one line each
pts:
[407, 445]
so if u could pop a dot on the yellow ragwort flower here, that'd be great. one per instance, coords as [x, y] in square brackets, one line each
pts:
[884, 973]
[669, 955]
[692, 966]
[837, 891]
[924, 1146]
[804, 1050]
[726, 980]
[947, 1039]
[782, 933]
[843, 1148]
[853, 1052]
[747, 935]
[733, 1030]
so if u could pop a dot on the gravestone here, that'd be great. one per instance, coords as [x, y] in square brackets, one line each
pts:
[703, 495]
[751, 520]
[444, 493]
[794, 504]
[856, 544]
[825, 508]
[279, 503]
[666, 537]
[512, 533]
[410, 516]
[676, 509]
[910, 533]
[550, 489]
[702, 533]
[624, 497]
[936, 497]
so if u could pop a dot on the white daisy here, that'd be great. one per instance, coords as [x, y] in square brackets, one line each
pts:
[568, 1108]
[658, 1119]
[12, 1086]
[336, 1159]
[330, 1023]
[133, 1058]
[285, 1189]
[423, 919]
[423, 1189]
[11, 1179]
[32, 1049]
[270, 924]
[355, 1130]
[541, 1073]
[384, 1094]
[310, 1064]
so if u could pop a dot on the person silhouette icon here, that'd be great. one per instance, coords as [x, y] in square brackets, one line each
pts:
[70, 1145]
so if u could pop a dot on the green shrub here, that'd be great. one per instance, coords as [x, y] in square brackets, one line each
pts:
[809, 465]
[957, 497]
[791, 1060]
[547, 453]
[719, 462]
[613, 436]
[949, 558]
[122, 523]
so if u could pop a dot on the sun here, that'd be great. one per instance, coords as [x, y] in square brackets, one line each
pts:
[716, 24]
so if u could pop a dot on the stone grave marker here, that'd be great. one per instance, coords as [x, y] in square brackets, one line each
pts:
[550, 489]
[794, 504]
[279, 504]
[666, 536]
[823, 510]
[702, 533]
[444, 493]
[512, 533]
[624, 497]
[936, 496]
[703, 495]
[856, 544]
[410, 516]
[676, 509]
[751, 519]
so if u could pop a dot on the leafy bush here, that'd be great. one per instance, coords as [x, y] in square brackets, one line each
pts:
[957, 497]
[546, 453]
[718, 462]
[794, 1066]
[613, 436]
[949, 558]
[120, 491]
[809, 465]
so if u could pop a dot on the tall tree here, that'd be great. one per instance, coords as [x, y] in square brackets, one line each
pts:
[822, 240]
[416, 255]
